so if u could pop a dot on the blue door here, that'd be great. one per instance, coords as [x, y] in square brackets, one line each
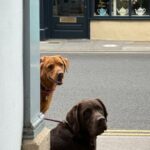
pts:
[68, 19]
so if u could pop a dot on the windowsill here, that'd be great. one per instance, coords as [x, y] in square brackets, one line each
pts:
[118, 17]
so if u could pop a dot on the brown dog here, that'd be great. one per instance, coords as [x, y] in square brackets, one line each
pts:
[83, 123]
[52, 69]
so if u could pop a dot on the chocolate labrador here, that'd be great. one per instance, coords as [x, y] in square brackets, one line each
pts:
[84, 122]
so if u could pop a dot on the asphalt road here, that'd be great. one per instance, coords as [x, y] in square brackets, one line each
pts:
[120, 80]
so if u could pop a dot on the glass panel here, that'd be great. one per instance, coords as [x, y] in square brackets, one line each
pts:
[120, 7]
[140, 7]
[101, 8]
[68, 7]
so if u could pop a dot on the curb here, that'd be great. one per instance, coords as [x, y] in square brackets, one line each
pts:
[127, 133]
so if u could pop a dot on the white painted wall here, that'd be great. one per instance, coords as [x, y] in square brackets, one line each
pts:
[11, 74]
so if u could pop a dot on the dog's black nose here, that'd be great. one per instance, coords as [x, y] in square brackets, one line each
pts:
[102, 123]
[60, 76]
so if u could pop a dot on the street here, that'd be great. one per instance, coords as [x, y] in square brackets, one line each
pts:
[120, 80]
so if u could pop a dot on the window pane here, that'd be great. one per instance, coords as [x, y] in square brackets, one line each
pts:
[68, 7]
[101, 8]
[120, 7]
[140, 7]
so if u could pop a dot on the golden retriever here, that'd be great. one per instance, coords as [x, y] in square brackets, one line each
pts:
[52, 69]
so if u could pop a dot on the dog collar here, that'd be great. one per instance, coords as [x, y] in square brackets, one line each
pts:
[46, 90]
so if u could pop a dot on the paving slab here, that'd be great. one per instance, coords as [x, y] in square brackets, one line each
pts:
[123, 143]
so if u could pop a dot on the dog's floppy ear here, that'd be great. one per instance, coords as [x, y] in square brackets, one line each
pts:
[73, 120]
[65, 62]
[42, 59]
[104, 108]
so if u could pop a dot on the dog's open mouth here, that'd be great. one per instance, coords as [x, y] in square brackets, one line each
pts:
[58, 81]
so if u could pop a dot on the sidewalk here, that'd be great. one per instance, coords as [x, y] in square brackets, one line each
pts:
[123, 143]
[91, 46]
[124, 140]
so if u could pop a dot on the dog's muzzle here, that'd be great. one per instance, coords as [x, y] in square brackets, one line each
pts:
[59, 79]
[101, 123]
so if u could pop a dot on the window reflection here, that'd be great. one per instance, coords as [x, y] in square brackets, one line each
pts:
[120, 7]
[68, 7]
[123, 8]
[140, 7]
[101, 8]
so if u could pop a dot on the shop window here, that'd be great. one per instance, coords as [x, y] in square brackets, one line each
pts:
[102, 8]
[122, 8]
[68, 7]
[140, 7]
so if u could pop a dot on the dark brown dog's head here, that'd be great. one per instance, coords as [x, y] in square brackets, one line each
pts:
[52, 68]
[88, 117]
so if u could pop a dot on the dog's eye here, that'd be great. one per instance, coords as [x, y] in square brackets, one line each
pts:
[98, 108]
[87, 113]
[61, 65]
[101, 110]
[51, 66]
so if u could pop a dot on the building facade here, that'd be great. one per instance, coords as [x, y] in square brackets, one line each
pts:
[95, 19]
